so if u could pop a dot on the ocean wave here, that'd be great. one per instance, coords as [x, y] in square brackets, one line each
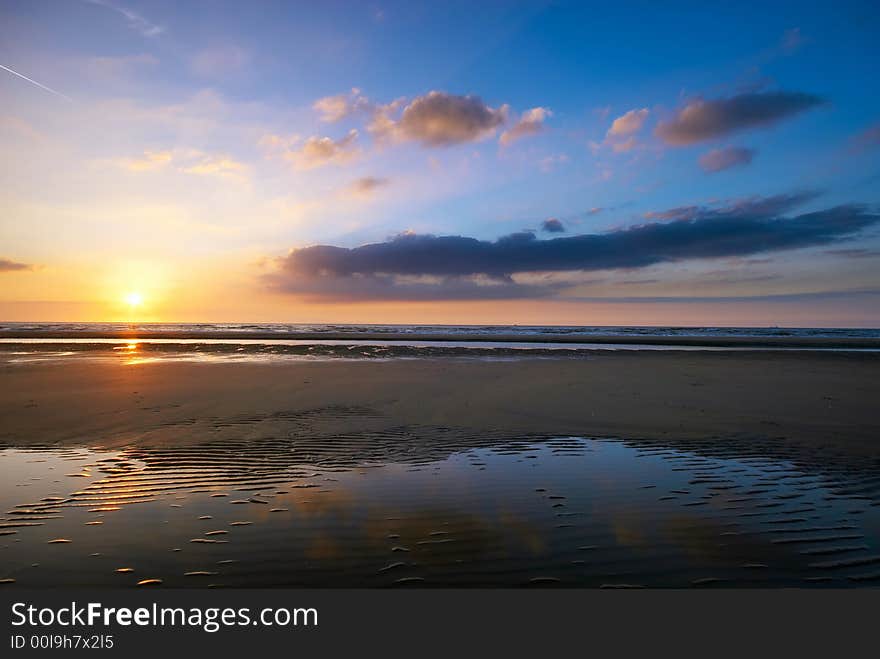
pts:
[281, 329]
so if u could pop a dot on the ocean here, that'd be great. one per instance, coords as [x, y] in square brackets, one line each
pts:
[140, 343]
[282, 329]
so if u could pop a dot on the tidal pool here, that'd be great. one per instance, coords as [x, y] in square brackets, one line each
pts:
[425, 506]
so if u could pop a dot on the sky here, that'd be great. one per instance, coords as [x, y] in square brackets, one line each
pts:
[568, 163]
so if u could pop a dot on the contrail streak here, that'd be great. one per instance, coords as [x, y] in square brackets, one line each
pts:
[34, 82]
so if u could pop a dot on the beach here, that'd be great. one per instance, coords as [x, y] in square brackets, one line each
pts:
[125, 465]
[802, 396]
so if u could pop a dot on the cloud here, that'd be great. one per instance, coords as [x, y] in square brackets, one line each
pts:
[13, 266]
[223, 166]
[187, 161]
[336, 108]
[320, 151]
[219, 62]
[367, 186]
[718, 160]
[435, 119]
[638, 282]
[552, 225]
[315, 151]
[386, 287]
[744, 207]
[134, 20]
[775, 298]
[380, 117]
[530, 123]
[150, 161]
[439, 119]
[702, 120]
[626, 145]
[621, 136]
[17, 128]
[855, 253]
[549, 163]
[628, 124]
[424, 266]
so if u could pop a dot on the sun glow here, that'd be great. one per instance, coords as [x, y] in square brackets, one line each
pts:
[134, 299]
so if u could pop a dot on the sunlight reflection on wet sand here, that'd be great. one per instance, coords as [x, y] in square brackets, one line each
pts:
[376, 509]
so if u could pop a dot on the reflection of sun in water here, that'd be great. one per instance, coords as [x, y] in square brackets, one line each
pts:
[134, 299]
[128, 346]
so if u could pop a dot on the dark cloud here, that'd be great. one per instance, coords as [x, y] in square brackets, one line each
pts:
[12, 266]
[753, 207]
[718, 160]
[552, 225]
[414, 266]
[736, 277]
[389, 287]
[855, 253]
[703, 120]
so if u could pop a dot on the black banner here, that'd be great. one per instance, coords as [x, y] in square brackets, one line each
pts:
[411, 622]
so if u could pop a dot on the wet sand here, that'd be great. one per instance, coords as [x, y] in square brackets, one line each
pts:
[831, 343]
[663, 469]
[810, 397]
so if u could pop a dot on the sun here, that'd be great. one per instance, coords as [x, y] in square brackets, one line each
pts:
[134, 299]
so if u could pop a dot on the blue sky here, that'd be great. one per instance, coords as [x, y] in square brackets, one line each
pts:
[200, 142]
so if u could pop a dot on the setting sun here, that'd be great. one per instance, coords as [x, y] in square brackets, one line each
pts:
[134, 299]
